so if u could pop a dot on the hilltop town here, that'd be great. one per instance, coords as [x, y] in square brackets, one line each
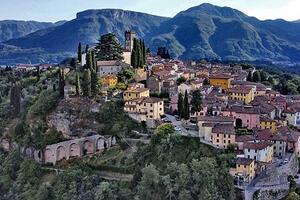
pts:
[122, 96]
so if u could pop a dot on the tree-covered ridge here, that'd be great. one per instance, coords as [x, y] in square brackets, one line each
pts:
[170, 167]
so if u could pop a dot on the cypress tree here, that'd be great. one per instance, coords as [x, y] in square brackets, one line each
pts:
[87, 48]
[79, 52]
[15, 97]
[134, 58]
[144, 52]
[94, 60]
[94, 83]
[138, 53]
[249, 77]
[77, 84]
[196, 102]
[38, 73]
[86, 83]
[186, 106]
[61, 83]
[256, 77]
[89, 61]
[180, 105]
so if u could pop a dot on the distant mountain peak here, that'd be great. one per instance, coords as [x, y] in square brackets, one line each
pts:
[210, 9]
[110, 12]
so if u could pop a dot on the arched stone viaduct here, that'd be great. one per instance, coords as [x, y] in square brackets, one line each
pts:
[74, 148]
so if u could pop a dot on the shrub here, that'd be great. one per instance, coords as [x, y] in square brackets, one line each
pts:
[47, 100]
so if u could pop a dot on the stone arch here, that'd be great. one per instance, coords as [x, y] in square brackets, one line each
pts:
[88, 147]
[100, 144]
[113, 141]
[60, 153]
[239, 123]
[108, 142]
[49, 156]
[74, 150]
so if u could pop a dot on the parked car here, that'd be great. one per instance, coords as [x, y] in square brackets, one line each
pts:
[177, 129]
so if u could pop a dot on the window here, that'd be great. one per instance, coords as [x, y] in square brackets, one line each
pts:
[254, 157]
[151, 111]
[245, 166]
[248, 150]
[224, 141]
[218, 140]
[151, 105]
[218, 135]
[228, 141]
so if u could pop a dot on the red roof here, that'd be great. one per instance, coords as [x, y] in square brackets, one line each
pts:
[257, 145]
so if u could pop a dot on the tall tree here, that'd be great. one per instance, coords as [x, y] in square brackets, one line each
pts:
[144, 52]
[87, 48]
[79, 52]
[256, 77]
[77, 84]
[94, 60]
[138, 54]
[180, 105]
[15, 97]
[263, 76]
[134, 59]
[196, 102]
[186, 106]
[94, 83]
[38, 73]
[109, 48]
[89, 61]
[86, 83]
[249, 77]
[61, 82]
[73, 63]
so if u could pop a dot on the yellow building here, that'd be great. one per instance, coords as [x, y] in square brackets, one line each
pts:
[245, 170]
[136, 94]
[267, 123]
[221, 80]
[241, 93]
[109, 80]
[148, 108]
[222, 135]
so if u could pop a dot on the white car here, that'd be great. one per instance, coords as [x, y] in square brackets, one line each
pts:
[177, 129]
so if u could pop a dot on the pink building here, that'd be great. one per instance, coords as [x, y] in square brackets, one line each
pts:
[243, 116]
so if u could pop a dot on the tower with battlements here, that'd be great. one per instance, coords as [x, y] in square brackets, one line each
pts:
[129, 36]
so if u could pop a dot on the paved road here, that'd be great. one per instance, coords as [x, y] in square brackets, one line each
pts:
[183, 130]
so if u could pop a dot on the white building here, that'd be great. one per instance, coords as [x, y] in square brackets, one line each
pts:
[259, 151]
[110, 67]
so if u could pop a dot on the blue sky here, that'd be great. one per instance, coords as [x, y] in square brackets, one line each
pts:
[55, 10]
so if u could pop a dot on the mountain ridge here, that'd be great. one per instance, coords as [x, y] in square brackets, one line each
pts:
[204, 31]
[12, 29]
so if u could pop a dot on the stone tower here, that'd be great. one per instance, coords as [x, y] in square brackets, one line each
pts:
[129, 36]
